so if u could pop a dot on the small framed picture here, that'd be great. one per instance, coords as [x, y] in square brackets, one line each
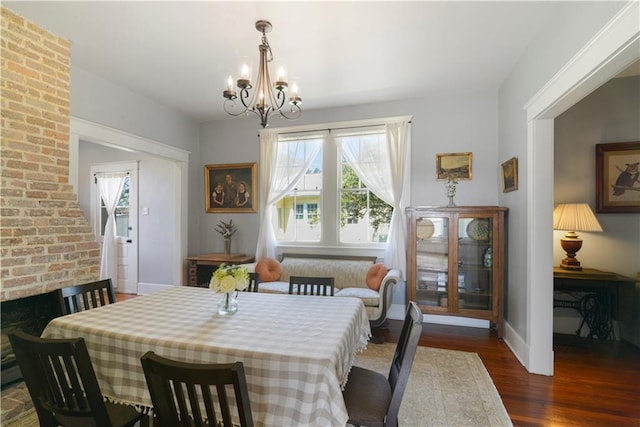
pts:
[618, 177]
[454, 166]
[510, 175]
[231, 187]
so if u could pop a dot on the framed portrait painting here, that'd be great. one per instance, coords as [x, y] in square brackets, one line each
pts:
[455, 166]
[510, 175]
[618, 177]
[231, 187]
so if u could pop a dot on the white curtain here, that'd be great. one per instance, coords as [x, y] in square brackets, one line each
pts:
[282, 165]
[110, 186]
[383, 165]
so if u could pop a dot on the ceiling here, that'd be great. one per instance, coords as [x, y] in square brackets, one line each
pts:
[339, 53]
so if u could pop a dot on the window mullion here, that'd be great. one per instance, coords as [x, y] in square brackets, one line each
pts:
[330, 204]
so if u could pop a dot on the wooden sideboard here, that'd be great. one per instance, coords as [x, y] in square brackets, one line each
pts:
[201, 267]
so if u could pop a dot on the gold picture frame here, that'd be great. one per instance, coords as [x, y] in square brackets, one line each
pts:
[454, 166]
[617, 177]
[510, 175]
[231, 188]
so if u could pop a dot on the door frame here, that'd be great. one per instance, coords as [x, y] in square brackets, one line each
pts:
[614, 48]
[85, 130]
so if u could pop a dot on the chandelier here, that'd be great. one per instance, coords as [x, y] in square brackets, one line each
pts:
[267, 98]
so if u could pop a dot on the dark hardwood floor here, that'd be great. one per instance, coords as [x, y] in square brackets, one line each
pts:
[595, 383]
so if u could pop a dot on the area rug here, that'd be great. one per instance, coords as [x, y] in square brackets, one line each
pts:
[446, 388]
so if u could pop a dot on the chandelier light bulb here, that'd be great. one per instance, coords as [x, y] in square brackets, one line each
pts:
[281, 80]
[295, 99]
[244, 74]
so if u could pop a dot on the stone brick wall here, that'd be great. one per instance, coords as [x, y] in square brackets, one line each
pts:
[46, 241]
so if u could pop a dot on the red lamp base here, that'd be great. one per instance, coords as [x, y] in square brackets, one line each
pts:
[571, 245]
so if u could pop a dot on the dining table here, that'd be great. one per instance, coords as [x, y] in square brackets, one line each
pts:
[297, 350]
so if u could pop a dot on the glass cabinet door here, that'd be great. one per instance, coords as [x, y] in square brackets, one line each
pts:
[475, 263]
[432, 261]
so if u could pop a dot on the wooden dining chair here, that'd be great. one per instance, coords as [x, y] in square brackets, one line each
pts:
[190, 386]
[86, 296]
[254, 282]
[372, 399]
[63, 386]
[304, 285]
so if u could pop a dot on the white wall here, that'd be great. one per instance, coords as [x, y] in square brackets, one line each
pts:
[571, 27]
[453, 123]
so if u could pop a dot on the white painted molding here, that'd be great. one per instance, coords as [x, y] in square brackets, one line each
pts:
[611, 50]
[456, 321]
[517, 344]
[540, 259]
[103, 135]
[398, 311]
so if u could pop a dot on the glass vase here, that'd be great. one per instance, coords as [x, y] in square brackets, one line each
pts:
[228, 305]
[227, 247]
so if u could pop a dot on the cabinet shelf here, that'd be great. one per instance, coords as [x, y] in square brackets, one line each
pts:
[459, 270]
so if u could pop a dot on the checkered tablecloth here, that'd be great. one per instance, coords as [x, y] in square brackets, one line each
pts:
[297, 350]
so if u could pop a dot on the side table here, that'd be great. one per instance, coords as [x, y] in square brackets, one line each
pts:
[607, 296]
[201, 267]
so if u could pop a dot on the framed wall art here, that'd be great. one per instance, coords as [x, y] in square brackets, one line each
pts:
[618, 177]
[510, 175]
[454, 166]
[231, 187]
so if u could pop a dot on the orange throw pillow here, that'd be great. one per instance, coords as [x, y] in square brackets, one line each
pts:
[268, 269]
[375, 275]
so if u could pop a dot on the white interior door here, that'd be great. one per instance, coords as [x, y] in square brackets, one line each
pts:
[126, 223]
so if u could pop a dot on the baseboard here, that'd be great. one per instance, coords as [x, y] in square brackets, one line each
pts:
[149, 288]
[398, 311]
[516, 344]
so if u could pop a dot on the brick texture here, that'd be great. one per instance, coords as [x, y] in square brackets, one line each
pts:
[45, 240]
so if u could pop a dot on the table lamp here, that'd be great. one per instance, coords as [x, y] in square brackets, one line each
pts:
[573, 217]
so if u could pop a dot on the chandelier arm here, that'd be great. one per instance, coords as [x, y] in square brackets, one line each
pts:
[244, 96]
[229, 105]
[294, 112]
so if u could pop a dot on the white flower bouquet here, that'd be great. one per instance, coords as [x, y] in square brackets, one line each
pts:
[228, 279]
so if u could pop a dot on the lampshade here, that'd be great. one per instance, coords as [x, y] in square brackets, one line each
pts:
[573, 217]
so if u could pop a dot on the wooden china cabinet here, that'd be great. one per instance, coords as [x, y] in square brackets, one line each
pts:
[456, 261]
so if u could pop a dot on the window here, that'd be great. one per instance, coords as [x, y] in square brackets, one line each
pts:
[364, 217]
[121, 214]
[306, 213]
[297, 211]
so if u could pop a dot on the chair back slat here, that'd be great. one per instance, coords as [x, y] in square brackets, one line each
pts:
[305, 285]
[209, 402]
[86, 296]
[254, 282]
[168, 379]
